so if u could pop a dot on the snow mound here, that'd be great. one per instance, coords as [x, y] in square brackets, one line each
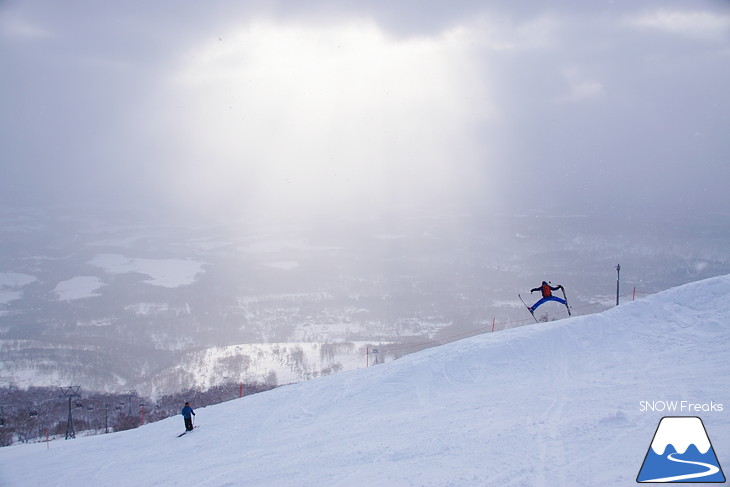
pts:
[549, 404]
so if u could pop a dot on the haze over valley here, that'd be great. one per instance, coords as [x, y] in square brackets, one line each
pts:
[116, 300]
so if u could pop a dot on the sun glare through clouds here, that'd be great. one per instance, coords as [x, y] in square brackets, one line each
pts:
[288, 118]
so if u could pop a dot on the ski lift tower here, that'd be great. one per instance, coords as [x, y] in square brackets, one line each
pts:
[70, 392]
[130, 393]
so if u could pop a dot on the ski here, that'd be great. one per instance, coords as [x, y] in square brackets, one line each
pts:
[186, 431]
[528, 308]
[566, 300]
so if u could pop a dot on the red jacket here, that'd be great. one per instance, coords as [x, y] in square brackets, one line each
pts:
[545, 289]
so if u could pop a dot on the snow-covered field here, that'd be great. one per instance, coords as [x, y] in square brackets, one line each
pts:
[557, 404]
[276, 363]
[161, 272]
[78, 287]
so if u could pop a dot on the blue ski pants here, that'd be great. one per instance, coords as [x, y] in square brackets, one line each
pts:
[549, 298]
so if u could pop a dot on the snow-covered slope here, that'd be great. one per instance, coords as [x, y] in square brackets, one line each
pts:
[557, 404]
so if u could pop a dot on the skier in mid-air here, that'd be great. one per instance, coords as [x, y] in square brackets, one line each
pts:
[547, 295]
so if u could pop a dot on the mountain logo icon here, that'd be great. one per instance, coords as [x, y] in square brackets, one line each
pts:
[680, 452]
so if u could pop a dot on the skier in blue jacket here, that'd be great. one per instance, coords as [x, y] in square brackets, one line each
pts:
[188, 413]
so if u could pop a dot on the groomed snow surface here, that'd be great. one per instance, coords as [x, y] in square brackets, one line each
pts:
[556, 404]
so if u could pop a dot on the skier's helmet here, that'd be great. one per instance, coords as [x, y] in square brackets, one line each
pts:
[544, 283]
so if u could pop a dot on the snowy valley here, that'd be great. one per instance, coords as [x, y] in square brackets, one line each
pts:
[120, 301]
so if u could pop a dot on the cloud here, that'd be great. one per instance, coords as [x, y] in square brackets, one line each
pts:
[581, 88]
[364, 106]
[16, 28]
[285, 117]
[693, 24]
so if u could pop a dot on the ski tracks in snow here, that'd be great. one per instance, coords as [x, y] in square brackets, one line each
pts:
[549, 436]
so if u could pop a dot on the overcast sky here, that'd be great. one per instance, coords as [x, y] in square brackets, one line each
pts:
[379, 106]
